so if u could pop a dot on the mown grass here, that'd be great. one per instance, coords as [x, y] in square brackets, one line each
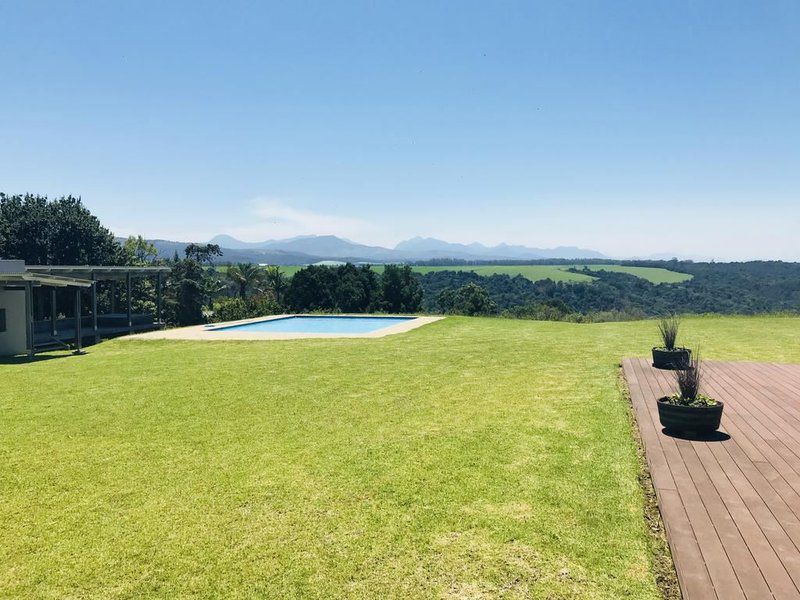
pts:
[539, 272]
[468, 458]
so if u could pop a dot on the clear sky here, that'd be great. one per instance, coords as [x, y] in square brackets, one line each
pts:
[627, 127]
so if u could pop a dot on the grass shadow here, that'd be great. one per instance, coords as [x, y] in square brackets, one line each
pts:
[716, 436]
[25, 359]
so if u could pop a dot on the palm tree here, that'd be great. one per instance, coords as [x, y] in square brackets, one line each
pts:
[246, 276]
[212, 285]
[276, 281]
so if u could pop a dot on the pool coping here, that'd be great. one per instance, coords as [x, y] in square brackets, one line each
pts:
[211, 332]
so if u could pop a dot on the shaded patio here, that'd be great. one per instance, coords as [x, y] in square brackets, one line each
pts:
[61, 302]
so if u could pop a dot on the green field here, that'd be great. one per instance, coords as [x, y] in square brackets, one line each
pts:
[532, 272]
[652, 274]
[470, 458]
[554, 272]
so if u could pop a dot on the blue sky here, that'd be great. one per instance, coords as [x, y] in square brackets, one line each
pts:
[628, 127]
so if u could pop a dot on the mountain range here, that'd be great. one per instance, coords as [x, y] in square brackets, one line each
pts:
[314, 248]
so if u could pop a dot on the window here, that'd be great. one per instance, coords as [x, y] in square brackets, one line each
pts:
[2, 320]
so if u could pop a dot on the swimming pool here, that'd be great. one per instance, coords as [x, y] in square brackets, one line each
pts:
[318, 324]
[293, 327]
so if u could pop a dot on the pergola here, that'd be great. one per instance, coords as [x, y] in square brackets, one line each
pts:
[29, 281]
[57, 332]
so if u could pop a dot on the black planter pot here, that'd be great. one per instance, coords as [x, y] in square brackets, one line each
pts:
[694, 419]
[679, 358]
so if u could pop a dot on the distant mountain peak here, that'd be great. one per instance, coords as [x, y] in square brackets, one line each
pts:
[228, 241]
[478, 251]
[332, 247]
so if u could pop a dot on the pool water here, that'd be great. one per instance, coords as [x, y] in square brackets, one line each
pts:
[333, 324]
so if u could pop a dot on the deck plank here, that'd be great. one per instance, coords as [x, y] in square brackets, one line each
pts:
[731, 505]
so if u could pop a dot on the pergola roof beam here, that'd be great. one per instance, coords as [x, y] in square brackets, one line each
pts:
[99, 272]
[36, 279]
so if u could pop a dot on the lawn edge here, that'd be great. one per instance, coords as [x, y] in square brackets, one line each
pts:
[661, 561]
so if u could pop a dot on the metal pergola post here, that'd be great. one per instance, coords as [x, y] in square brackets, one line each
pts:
[158, 298]
[53, 313]
[113, 296]
[93, 293]
[29, 337]
[128, 299]
[78, 333]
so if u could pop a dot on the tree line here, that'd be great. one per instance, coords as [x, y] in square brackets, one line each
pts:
[62, 231]
[197, 291]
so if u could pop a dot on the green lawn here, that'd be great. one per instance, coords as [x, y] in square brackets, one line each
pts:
[554, 272]
[470, 458]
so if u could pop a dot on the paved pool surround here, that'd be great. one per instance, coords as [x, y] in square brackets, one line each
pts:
[220, 331]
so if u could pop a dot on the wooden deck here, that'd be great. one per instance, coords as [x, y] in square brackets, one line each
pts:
[730, 503]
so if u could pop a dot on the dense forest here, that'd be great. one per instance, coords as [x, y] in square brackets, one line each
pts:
[746, 288]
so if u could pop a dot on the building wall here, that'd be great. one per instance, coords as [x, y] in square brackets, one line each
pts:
[13, 340]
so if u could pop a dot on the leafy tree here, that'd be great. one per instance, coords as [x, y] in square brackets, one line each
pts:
[246, 276]
[186, 293]
[56, 232]
[470, 300]
[344, 288]
[356, 288]
[191, 287]
[203, 253]
[213, 285]
[138, 251]
[400, 290]
[312, 288]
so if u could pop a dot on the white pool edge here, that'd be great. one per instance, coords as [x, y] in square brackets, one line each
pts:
[212, 332]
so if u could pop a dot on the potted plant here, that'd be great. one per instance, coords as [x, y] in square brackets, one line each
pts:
[689, 410]
[670, 356]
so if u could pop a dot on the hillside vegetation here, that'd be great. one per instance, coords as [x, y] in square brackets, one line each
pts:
[652, 274]
[727, 288]
[540, 272]
[468, 458]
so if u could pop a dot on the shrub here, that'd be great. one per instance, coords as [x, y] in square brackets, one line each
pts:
[668, 328]
[549, 310]
[230, 309]
[469, 300]
[236, 309]
[263, 304]
[689, 380]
